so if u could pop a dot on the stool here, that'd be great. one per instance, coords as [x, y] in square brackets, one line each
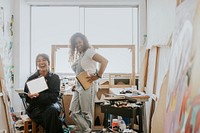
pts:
[27, 121]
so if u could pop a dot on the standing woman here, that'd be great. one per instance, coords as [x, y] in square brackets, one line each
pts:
[84, 58]
[44, 107]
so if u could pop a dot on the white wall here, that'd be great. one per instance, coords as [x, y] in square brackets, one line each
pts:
[21, 48]
[8, 7]
[160, 21]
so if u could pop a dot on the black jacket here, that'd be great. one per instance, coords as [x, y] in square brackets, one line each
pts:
[47, 97]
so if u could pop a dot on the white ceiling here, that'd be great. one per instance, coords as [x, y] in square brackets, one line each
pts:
[86, 2]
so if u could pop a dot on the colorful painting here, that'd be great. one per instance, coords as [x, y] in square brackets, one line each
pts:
[190, 110]
[183, 94]
[6, 70]
[6, 49]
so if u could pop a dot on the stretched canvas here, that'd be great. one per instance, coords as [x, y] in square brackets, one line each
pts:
[182, 101]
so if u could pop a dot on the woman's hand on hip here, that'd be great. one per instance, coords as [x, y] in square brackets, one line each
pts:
[73, 88]
[92, 78]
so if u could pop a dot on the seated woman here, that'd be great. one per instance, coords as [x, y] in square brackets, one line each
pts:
[44, 107]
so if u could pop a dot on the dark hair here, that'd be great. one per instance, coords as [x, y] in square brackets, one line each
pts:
[72, 43]
[45, 56]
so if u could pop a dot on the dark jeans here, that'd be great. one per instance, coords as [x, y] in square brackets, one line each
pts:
[48, 117]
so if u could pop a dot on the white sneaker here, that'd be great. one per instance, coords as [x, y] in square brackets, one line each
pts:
[87, 130]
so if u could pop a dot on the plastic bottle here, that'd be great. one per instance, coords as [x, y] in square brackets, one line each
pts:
[115, 125]
[122, 124]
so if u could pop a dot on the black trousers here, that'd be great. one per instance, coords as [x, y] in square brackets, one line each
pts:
[48, 117]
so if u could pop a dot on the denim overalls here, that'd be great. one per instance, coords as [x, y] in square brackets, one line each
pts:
[82, 103]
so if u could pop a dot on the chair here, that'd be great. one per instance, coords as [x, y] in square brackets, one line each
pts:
[31, 125]
[28, 121]
[62, 113]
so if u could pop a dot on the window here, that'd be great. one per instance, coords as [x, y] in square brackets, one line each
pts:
[51, 25]
[120, 62]
[111, 25]
[102, 26]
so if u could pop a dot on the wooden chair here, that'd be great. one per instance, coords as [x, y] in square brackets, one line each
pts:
[31, 125]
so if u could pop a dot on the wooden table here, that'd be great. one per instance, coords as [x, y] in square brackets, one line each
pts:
[130, 112]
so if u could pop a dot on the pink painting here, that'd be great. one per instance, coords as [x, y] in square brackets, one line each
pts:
[183, 95]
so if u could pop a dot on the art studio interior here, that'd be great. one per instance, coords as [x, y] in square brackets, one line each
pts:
[146, 55]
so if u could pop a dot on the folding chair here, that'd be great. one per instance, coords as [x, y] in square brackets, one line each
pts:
[62, 113]
[28, 121]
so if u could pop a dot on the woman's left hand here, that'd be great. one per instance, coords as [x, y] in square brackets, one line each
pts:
[35, 95]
